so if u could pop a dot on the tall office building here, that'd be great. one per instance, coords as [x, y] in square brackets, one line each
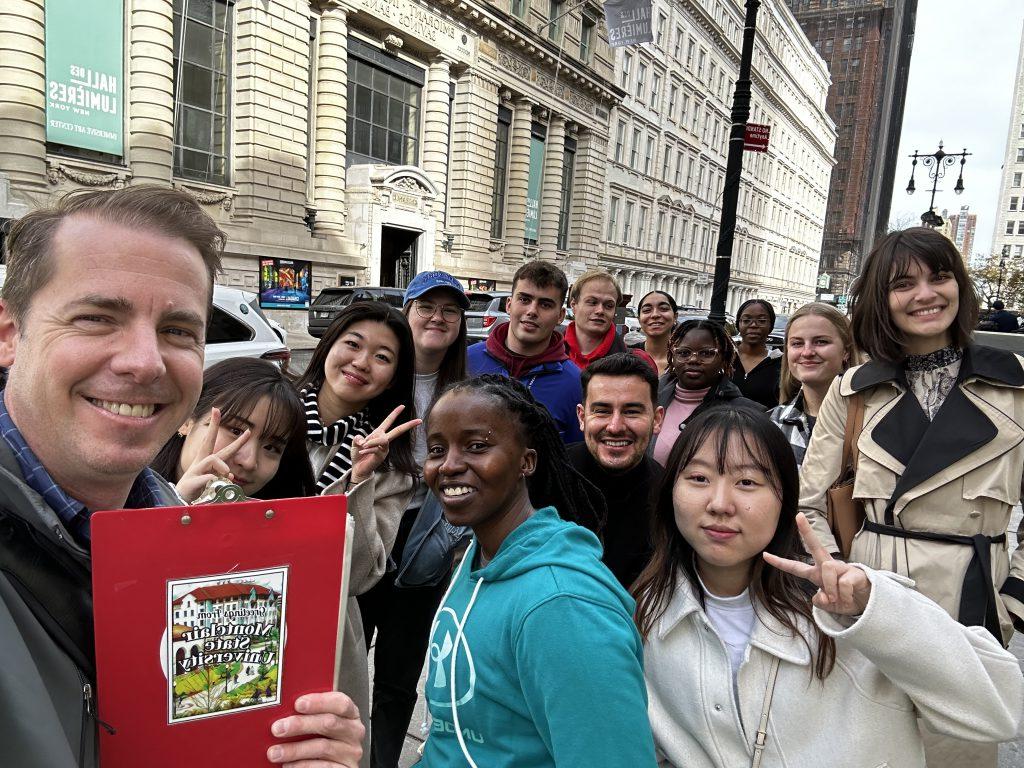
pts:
[1008, 235]
[866, 45]
[961, 231]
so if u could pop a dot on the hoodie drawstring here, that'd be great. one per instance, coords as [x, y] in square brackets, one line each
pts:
[451, 680]
[425, 725]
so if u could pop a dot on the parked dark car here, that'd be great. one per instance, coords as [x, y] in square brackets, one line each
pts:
[331, 301]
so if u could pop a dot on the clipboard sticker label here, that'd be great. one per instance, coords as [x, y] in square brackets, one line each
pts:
[226, 635]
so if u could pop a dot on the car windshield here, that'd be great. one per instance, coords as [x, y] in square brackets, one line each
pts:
[780, 322]
[478, 301]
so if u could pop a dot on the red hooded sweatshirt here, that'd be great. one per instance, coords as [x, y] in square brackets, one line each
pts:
[518, 364]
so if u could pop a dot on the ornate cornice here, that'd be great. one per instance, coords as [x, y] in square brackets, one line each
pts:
[85, 173]
[208, 195]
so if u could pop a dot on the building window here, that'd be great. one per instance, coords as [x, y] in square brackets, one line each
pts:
[627, 63]
[684, 109]
[649, 156]
[673, 95]
[1006, 250]
[641, 77]
[1009, 227]
[666, 162]
[620, 138]
[634, 150]
[1020, 227]
[677, 48]
[500, 172]
[680, 156]
[700, 64]
[690, 48]
[655, 87]
[659, 33]
[202, 87]
[1020, 154]
[671, 234]
[586, 38]
[565, 204]
[658, 231]
[1017, 179]
[1013, 203]
[613, 215]
[384, 95]
[518, 8]
[554, 19]
[1018, 251]
[627, 221]
[641, 226]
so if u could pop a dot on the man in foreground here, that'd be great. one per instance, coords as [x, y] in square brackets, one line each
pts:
[529, 348]
[102, 324]
[619, 417]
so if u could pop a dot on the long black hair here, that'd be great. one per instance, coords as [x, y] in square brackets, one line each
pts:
[781, 594]
[235, 386]
[398, 392]
[555, 482]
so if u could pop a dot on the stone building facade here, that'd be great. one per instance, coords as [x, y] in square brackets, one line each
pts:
[372, 138]
[668, 149]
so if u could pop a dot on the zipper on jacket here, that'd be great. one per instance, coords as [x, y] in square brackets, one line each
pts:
[89, 713]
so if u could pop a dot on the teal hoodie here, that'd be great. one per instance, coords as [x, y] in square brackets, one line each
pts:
[547, 661]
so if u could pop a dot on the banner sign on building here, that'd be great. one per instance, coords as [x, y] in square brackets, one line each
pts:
[628, 21]
[84, 74]
[285, 284]
[533, 187]
[755, 137]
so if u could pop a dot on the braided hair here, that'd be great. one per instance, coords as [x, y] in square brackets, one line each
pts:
[555, 482]
[723, 341]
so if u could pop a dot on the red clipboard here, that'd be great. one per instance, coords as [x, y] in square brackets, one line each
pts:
[210, 621]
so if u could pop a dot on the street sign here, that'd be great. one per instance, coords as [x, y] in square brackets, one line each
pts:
[755, 137]
[841, 303]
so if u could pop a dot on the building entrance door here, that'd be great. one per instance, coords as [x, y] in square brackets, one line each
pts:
[397, 255]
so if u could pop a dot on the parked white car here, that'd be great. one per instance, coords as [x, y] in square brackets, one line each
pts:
[238, 328]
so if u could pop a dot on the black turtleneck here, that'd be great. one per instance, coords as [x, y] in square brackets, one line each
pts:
[630, 497]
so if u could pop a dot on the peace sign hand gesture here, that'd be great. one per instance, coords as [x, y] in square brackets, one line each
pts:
[210, 464]
[843, 589]
[369, 452]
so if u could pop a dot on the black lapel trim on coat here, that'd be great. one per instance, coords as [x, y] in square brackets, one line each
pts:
[1014, 587]
[996, 365]
[875, 372]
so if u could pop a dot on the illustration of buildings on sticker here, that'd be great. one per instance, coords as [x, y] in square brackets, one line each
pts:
[224, 653]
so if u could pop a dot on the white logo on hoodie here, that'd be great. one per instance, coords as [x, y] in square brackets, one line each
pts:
[440, 656]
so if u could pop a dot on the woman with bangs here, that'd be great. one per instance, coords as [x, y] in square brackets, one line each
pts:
[747, 667]
[941, 450]
[248, 426]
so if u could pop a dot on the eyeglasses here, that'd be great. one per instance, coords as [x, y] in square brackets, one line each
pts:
[426, 310]
[684, 354]
[762, 321]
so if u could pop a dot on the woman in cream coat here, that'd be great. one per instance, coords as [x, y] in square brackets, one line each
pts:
[731, 640]
[941, 451]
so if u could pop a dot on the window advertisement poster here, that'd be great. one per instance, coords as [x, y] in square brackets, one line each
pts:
[84, 74]
[285, 284]
[533, 187]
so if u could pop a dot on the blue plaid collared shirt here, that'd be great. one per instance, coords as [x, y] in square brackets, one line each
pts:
[145, 492]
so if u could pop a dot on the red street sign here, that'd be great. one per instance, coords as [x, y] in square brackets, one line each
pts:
[755, 139]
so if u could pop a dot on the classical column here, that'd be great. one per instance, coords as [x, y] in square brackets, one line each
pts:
[23, 96]
[151, 92]
[551, 196]
[331, 114]
[435, 130]
[518, 177]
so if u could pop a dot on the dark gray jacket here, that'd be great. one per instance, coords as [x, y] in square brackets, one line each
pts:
[47, 671]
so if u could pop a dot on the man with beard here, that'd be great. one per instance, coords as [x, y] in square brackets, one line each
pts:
[619, 416]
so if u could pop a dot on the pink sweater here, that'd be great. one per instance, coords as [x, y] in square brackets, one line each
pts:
[684, 402]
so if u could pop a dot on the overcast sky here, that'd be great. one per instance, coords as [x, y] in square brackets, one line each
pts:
[960, 91]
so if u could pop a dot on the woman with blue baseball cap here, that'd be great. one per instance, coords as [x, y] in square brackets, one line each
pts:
[401, 606]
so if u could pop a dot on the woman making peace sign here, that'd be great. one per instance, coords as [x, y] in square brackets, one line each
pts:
[743, 669]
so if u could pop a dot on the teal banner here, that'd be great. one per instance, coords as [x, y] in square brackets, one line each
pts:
[84, 74]
[533, 187]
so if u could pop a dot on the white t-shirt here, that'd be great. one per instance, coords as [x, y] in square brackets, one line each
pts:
[733, 619]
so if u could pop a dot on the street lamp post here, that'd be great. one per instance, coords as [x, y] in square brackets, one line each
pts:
[999, 285]
[936, 163]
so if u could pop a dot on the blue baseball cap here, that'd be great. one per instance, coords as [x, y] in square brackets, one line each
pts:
[428, 281]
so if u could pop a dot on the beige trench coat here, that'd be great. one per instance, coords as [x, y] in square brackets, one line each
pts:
[959, 474]
[375, 508]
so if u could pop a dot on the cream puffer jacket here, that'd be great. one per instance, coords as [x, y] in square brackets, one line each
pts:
[903, 658]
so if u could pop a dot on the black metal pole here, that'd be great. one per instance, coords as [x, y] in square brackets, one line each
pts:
[734, 167]
[999, 288]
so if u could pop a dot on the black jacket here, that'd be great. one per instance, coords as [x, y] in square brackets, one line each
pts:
[762, 383]
[630, 497]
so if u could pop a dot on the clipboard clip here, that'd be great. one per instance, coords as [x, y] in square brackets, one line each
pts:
[220, 491]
